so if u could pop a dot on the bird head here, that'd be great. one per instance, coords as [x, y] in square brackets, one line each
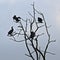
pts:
[14, 16]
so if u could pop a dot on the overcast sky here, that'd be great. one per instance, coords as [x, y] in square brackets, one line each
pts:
[10, 50]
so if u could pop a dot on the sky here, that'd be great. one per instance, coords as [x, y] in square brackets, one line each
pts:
[10, 50]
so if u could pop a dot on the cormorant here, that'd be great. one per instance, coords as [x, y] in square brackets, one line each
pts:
[32, 35]
[40, 20]
[16, 18]
[11, 31]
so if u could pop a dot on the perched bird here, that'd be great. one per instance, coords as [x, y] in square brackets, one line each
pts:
[11, 31]
[16, 18]
[40, 20]
[32, 35]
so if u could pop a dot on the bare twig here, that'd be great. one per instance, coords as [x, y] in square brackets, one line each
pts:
[16, 40]
[26, 26]
[39, 27]
[28, 49]
[35, 32]
[27, 55]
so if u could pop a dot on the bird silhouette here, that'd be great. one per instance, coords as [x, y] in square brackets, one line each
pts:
[32, 35]
[11, 31]
[40, 20]
[16, 18]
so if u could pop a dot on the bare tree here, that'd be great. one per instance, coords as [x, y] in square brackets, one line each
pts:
[31, 40]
